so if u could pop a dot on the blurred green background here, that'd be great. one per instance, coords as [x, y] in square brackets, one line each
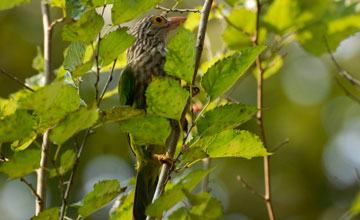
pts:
[313, 176]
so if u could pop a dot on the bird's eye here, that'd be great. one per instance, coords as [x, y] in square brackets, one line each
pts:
[158, 20]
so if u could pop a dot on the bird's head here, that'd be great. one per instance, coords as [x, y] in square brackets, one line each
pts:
[155, 27]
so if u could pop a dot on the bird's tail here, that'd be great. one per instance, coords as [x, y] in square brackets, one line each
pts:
[146, 182]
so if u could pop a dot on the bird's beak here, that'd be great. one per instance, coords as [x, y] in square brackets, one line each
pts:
[174, 22]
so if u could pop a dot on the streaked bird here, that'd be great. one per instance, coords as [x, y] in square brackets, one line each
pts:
[146, 59]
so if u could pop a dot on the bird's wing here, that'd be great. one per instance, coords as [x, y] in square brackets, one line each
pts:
[126, 86]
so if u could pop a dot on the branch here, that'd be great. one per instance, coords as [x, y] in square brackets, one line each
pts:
[342, 72]
[15, 79]
[107, 83]
[71, 179]
[281, 144]
[259, 117]
[45, 146]
[97, 62]
[248, 187]
[177, 10]
[30, 187]
[55, 22]
[174, 136]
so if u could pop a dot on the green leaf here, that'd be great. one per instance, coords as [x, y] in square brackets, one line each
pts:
[7, 107]
[282, 14]
[74, 55]
[96, 3]
[166, 98]
[113, 44]
[122, 209]
[36, 81]
[243, 20]
[52, 102]
[148, 130]
[74, 122]
[11, 3]
[120, 113]
[104, 191]
[193, 154]
[57, 3]
[16, 126]
[355, 207]
[67, 162]
[125, 10]
[74, 8]
[22, 144]
[38, 61]
[181, 55]
[82, 69]
[21, 163]
[224, 73]
[236, 143]
[85, 29]
[204, 206]
[48, 214]
[271, 67]
[223, 118]
[173, 196]
[179, 214]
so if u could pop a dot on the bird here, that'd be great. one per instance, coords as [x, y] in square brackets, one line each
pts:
[145, 60]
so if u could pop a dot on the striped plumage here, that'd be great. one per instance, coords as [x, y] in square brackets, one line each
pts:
[146, 59]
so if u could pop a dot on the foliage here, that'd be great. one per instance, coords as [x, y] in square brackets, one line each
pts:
[215, 130]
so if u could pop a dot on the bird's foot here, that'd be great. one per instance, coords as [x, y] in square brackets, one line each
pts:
[164, 159]
[195, 90]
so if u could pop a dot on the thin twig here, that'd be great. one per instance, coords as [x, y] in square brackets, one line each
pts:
[45, 146]
[15, 79]
[97, 62]
[174, 136]
[248, 187]
[30, 187]
[259, 117]
[342, 72]
[347, 92]
[71, 179]
[177, 10]
[107, 83]
[55, 22]
[281, 144]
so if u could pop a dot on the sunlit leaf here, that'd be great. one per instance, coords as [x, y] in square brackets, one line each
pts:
[21, 163]
[67, 162]
[181, 213]
[52, 102]
[166, 98]
[149, 130]
[224, 73]
[181, 54]
[7, 4]
[235, 143]
[122, 208]
[125, 10]
[7, 107]
[57, 3]
[16, 126]
[120, 113]
[74, 55]
[23, 143]
[85, 29]
[270, 67]
[173, 196]
[48, 214]
[73, 123]
[282, 14]
[82, 69]
[103, 192]
[224, 117]
[113, 44]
